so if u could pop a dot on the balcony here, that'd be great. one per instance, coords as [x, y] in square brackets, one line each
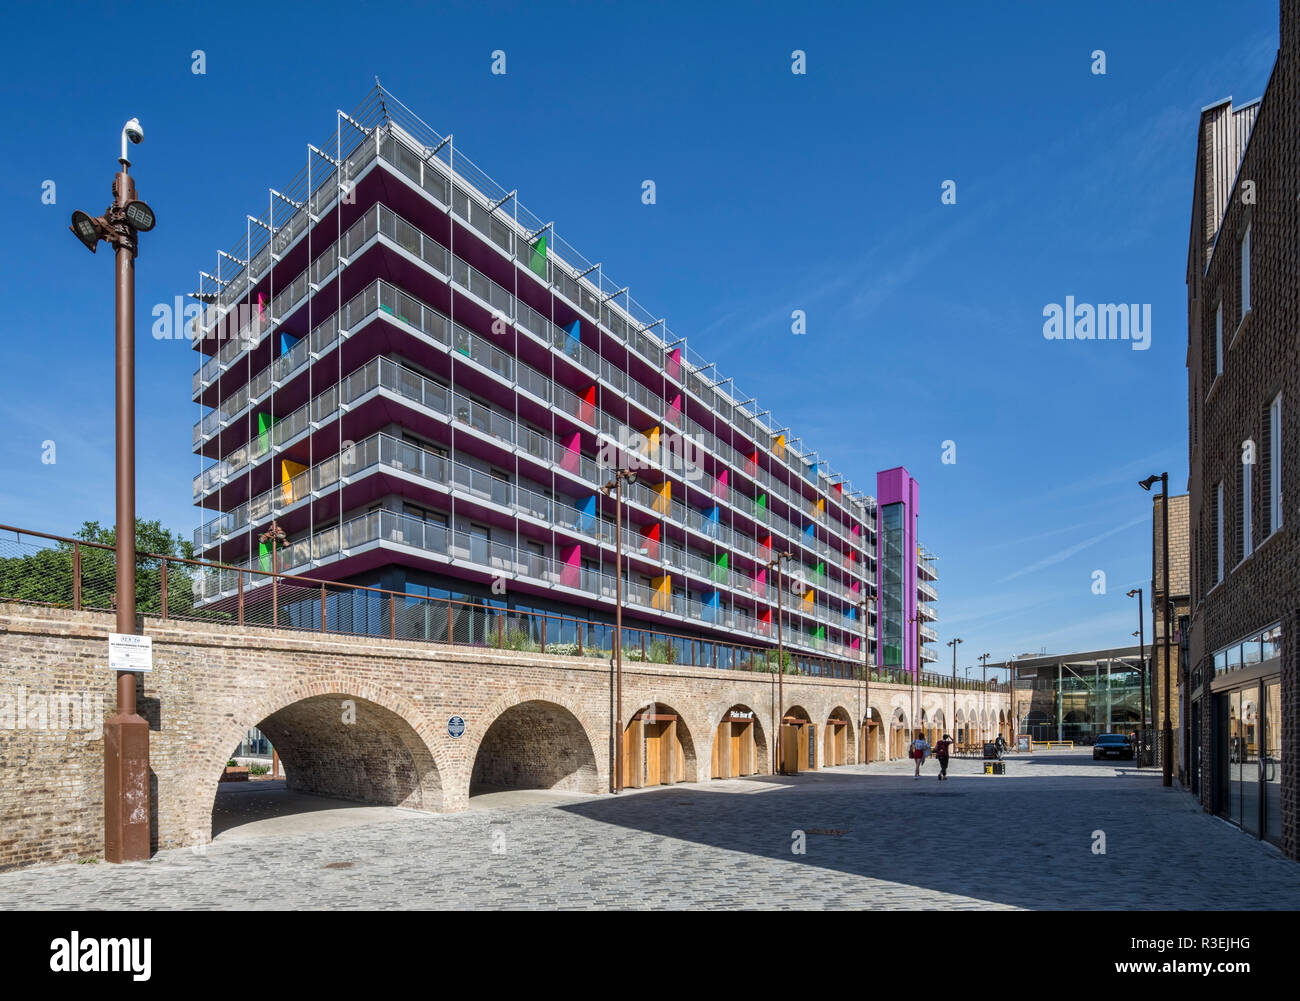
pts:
[495, 558]
[927, 591]
[400, 153]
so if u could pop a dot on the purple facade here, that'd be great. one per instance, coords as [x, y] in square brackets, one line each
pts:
[896, 486]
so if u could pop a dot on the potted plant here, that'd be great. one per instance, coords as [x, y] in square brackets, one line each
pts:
[235, 772]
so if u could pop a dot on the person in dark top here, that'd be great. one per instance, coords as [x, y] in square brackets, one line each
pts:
[941, 750]
[1001, 745]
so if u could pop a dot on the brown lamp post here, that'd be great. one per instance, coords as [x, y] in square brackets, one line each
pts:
[775, 564]
[954, 643]
[865, 604]
[984, 659]
[274, 535]
[126, 735]
[1142, 675]
[615, 488]
[1166, 733]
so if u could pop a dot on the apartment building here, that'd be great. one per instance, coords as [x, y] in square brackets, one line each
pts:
[1243, 379]
[425, 388]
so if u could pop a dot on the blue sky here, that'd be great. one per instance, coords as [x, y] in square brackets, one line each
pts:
[775, 192]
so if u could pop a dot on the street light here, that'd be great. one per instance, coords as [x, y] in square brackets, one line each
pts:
[1167, 741]
[274, 535]
[775, 564]
[615, 488]
[865, 605]
[954, 643]
[1142, 668]
[984, 699]
[126, 735]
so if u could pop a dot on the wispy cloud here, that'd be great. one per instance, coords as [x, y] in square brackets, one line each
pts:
[1078, 547]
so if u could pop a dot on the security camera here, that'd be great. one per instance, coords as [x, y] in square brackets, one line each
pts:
[133, 131]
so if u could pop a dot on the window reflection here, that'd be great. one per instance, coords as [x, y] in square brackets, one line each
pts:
[1250, 761]
[1272, 764]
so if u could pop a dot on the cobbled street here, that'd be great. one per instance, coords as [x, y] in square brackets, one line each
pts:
[876, 838]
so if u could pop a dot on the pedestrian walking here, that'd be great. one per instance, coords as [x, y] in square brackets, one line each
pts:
[920, 751]
[941, 750]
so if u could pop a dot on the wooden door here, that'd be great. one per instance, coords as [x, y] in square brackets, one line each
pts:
[653, 753]
[634, 755]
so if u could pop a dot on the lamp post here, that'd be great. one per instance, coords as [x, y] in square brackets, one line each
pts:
[775, 564]
[865, 605]
[915, 620]
[1166, 734]
[615, 487]
[984, 698]
[126, 735]
[1142, 676]
[954, 643]
[274, 535]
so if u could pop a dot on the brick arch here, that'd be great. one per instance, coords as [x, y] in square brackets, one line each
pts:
[687, 733]
[739, 697]
[478, 725]
[839, 710]
[390, 723]
[880, 746]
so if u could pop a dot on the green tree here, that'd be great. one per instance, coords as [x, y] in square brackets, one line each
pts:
[46, 576]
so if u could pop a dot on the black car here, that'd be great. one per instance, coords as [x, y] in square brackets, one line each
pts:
[1112, 745]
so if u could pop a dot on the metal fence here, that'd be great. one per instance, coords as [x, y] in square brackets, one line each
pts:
[54, 571]
[41, 569]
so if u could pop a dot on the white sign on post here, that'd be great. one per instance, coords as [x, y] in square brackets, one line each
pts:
[127, 652]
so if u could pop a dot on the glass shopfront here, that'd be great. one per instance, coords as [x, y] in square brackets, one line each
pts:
[1248, 732]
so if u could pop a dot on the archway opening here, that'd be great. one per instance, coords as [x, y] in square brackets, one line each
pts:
[900, 736]
[798, 740]
[535, 745]
[874, 744]
[739, 745]
[838, 739]
[324, 752]
[657, 748]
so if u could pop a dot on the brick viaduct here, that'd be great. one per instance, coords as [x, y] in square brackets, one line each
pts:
[531, 720]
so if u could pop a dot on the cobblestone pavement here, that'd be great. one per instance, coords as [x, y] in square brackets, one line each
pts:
[875, 838]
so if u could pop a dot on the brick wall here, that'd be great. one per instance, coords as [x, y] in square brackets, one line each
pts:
[360, 718]
[1260, 358]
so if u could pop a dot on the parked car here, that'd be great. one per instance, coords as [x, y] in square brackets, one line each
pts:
[1112, 745]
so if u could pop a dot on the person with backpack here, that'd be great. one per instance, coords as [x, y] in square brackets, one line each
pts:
[941, 750]
[920, 751]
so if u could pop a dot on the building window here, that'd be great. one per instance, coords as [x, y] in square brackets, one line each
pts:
[1246, 498]
[1217, 515]
[1273, 458]
[1218, 339]
[1245, 271]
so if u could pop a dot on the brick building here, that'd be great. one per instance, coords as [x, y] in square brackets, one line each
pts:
[1171, 674]
[1243, 383]
[424, 388]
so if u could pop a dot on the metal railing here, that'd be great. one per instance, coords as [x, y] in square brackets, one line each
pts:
[38, 568]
